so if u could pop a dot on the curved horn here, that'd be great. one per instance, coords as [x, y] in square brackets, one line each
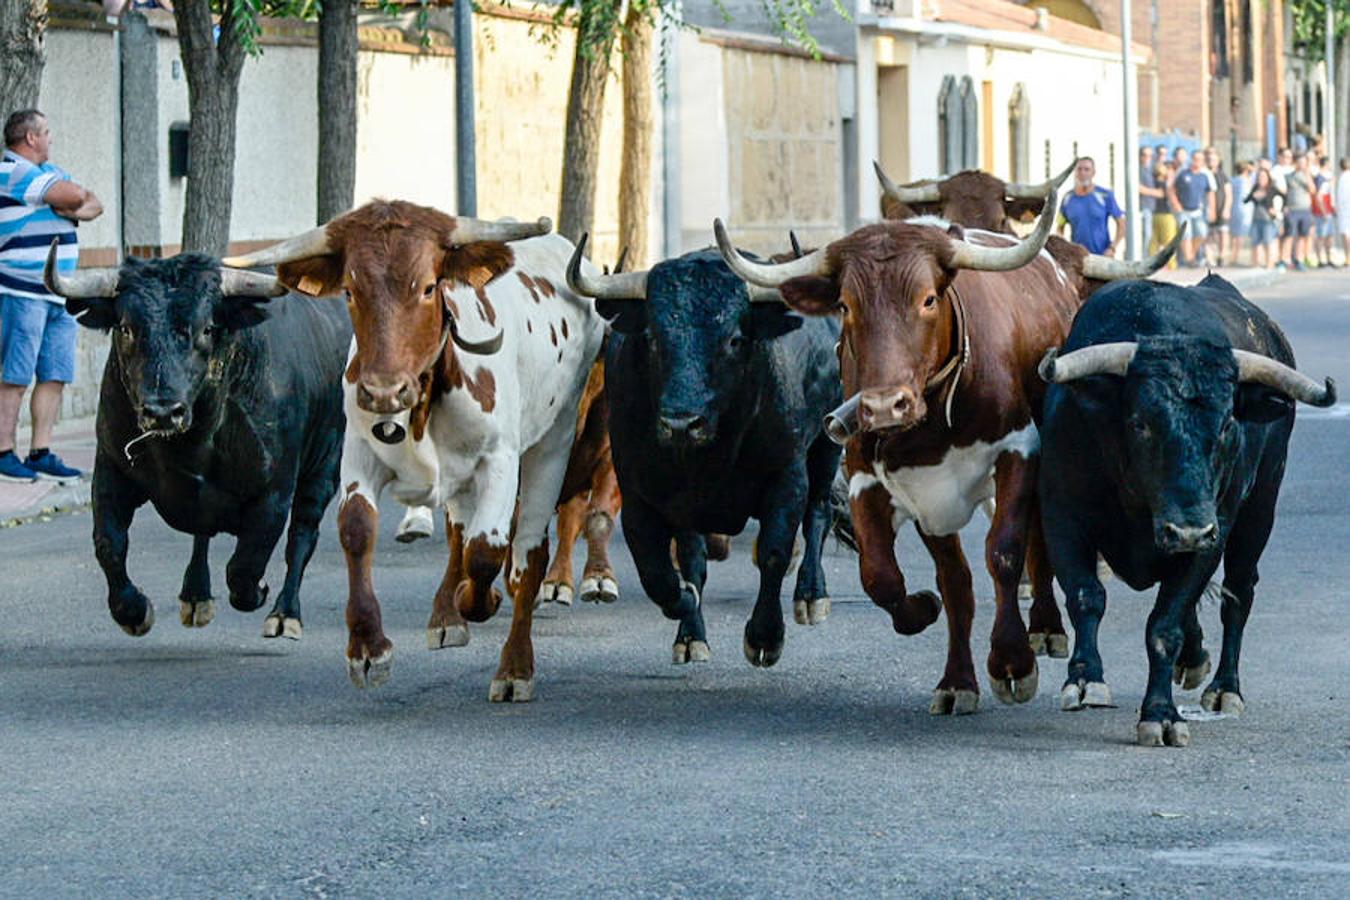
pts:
[83, 283]
[623, 258]
[468, 230]
[1019, 191]
[1104, 268]
[927, 192]
[1260, 369]
[796, 244]
[242, 283]
[966, 255]
[480, 348]
[624, 286]
[303, 246]
[762, 294]
[1099, 359]
[767, 274]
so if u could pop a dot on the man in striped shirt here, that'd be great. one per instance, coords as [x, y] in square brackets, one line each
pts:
[38, 203]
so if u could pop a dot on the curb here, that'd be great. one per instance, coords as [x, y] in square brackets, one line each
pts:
[62, 498]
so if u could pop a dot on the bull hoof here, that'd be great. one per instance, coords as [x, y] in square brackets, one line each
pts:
[251, 601]
[1036, 640]
[417, 524]
[1057, 646]
[143, 627]
[762, 657]
[196, 613]
[1228, 702]
[601, 589]
[811, 612]
[277, 625]
[511, 690]
[440, 637]
[1016, 690]
[690, 651]
[369, 672]
[470, 608]
[916, 612]
[1190, 677]
[1085, 695]
[1024, 591]
[954, 702]
[559, 592]
[1158, 734]
[132, 611]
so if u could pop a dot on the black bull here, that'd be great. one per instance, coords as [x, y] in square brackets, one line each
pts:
[222, 416]
[716, 409]
[1164, 441]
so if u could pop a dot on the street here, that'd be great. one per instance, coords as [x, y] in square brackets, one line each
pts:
[212, 762]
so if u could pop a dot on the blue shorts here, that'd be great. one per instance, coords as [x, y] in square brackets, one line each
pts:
[37, 338]
[1196, 226]
[1325, 226]
[1263, 232]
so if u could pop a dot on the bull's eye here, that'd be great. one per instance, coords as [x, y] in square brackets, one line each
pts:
[737, 342]
[930, 301]
[1139, 427]
[429, 292]
[124, 332]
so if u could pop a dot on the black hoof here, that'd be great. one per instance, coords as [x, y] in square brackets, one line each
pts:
[251, 601]
[762, 651]
[916, 612]
[132, 611]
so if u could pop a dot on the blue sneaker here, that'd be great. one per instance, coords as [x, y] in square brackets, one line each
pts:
[49, 467]
[13, 470]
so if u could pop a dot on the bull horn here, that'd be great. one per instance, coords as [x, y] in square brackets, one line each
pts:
[83, 283]
[468, 230]
[1019, 191]
[242, 283]
[1099, 359]
[1104, 268]
[306, 245]
[622, 286]
[1253, 367]
[769, 275]
[966, 255]
[927, 192]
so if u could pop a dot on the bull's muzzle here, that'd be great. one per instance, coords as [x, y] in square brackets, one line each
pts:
[1174, 538]
[386, 396]
[164, 416]
[683, 429]
[890, 408]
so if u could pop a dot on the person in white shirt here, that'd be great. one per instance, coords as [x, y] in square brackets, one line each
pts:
[1343, 206]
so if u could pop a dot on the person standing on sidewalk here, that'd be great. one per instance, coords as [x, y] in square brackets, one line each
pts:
[1149, 195]
[1343, 206]
[1223, 207]
[38, 203]
[1298, 219]
[1088, 209]
[1192, 200]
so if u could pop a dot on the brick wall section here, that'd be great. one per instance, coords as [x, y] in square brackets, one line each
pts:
[1108, 13]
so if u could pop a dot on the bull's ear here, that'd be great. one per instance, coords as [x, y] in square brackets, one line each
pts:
[235, 313]
[811, 295]
[318, 276]
[1259, 404]
[98, 313]
[770, 320]
[478, 263]
[624, 316]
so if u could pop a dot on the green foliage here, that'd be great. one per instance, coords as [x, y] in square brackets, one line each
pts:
[246, 15]
[1310, 19]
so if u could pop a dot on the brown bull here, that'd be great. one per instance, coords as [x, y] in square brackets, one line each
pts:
[942, 333]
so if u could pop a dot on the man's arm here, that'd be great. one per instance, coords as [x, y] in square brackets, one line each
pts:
[72, 201]
[1172, 200]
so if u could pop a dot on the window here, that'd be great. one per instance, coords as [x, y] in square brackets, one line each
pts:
[1248, 63]
[1218, 23]
[1019, 134]
[958, 125]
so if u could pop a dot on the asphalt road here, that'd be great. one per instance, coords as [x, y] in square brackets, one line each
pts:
[212, 762]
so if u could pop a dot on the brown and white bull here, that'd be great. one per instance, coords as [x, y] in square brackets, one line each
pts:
[943, 328]
[468, 363]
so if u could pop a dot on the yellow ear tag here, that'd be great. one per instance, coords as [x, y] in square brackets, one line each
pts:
[480, 276]
[310, 285]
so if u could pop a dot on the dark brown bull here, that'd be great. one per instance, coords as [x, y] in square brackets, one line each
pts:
[942, 333]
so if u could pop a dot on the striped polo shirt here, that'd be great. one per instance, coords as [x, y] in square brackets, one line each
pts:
[27, 226]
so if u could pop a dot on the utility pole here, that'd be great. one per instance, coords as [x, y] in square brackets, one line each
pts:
[1330, 95]
[466, 178]
[1131, 135]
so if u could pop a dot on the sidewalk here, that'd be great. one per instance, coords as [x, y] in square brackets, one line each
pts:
[1244, 278]
[75, 442]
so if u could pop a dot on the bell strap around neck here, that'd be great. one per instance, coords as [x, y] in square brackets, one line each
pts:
[953, 368]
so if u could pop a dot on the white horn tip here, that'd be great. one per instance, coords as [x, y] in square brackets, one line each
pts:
[545, 224]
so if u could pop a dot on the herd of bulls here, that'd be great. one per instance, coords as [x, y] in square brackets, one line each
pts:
[488, 370]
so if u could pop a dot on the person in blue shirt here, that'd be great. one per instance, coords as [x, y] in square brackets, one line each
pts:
[1088, 208]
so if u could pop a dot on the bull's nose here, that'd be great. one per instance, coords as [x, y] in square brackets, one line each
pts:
[163, 415]
[887, 408]
[681, 427]
[379, 398]
[1189, 538]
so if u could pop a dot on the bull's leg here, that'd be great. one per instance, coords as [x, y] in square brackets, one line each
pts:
[780, 518]
[558, 581]
[1159, 721]
[487, 535]
[312, 494]
[958, 692]
[248, 564]
[1045, 628]
[648, 536]
[1075, 562]
[196, 608]
[598, 583]
[370, 655]
[446, 627]
[810, 599]
[1246, 542]
[874, 529]
[115, 500]
[1193, 661]
[1012, 662]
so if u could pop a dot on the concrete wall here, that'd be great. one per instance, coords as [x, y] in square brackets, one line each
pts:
[405, 129]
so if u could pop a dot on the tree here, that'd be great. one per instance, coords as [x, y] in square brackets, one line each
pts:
[337, 107]
[1309, 38]
[597, 23]
[23, 28]
[636, 167]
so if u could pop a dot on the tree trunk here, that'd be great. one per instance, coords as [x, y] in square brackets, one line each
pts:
[1341, 95]
[23, 29]
[585, 111]
[213, 101]
[635, 175]
[337, 108]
